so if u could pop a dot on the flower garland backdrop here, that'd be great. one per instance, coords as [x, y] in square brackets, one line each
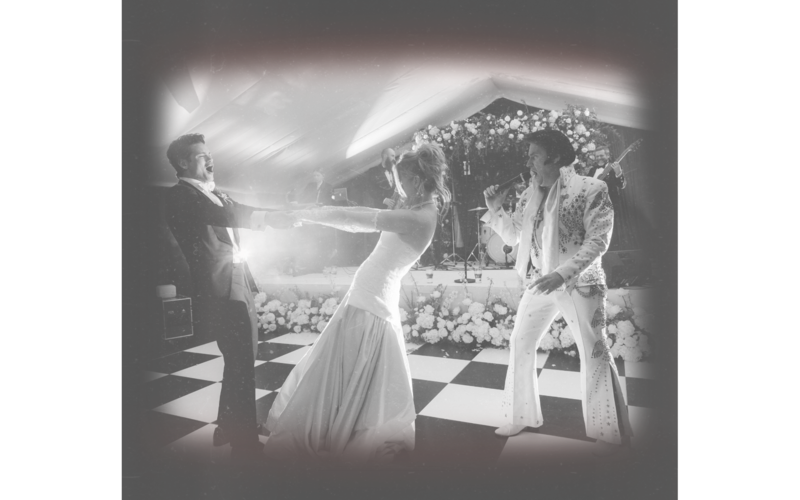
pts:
[477, 143]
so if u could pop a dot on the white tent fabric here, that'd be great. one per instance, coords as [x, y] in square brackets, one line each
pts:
[270, 125]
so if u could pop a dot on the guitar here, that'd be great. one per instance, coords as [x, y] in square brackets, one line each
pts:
[609, 167]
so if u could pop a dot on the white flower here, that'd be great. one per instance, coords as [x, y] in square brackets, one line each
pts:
[587, 112]
[569, 132]
[269, 317]
[260, 298]
[507, 118]
[510, 136]
[434, 131]
[519, 112]
[491, 131]
[488, 316]
[569, 120]
[584, 150]
[281, 320]
[415, 327]
[577, 112]
[591, 146]
[476, 308]
[297, 329]
[466, 302]
[625, 328]
[630, 341]
[450, 325]
[429, 309]
[575, 145]
[520, 136]
[436, 294]
[406, 329]
[566, 337]
[456, 311]
[467, 338]
[272, 327]
[421, 299]
[403, 315]
[579, 128]
[495, 333]
[537, 124]
[415, 333]
[554, 114]
[612, 328]
[515, 124]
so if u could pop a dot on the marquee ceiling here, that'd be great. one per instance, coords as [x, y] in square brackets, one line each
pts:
[271, 122]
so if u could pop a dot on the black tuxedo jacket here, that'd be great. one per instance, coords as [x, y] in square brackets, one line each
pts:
[199, 226]
[378, 186]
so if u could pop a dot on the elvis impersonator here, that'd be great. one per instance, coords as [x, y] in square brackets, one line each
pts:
[563, 225]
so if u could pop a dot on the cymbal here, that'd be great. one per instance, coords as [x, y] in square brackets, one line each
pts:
[476, 209]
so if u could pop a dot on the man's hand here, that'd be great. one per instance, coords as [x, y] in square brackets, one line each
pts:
[494, 198]
[280, 220]
[546, 284]
[388, 202]
[618, 173]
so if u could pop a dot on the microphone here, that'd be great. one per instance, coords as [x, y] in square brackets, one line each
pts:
[523, 177]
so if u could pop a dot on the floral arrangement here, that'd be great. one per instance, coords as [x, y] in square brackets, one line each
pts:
[468, 322]
[304, 315]
[484, 133]
[436, 317]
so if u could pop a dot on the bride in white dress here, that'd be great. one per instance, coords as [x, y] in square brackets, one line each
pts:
[350, 396]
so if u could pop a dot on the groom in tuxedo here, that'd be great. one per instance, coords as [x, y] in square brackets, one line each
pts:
[205, 223]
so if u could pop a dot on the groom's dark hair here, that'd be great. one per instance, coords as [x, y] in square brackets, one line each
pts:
[555, 144]
[178, 149]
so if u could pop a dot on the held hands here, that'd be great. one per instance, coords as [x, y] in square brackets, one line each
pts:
[494, 198]
[389, 202]
[546, 284]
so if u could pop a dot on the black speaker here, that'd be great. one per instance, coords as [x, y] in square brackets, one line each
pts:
[177, 317]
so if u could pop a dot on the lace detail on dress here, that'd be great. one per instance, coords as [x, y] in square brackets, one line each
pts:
[348, 219]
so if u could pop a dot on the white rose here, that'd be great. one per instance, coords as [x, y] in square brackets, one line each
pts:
[467, 338]
[270, 317]
[510, 136]
[406, 329]
[450, 325]
[519, 112]
[491, 131]
[577, 112]
[456, 311]
[415, 333]
[569, 120]
[569, 132]
[272, 327]
[281, 321]
[579, 128]
[584, 150]
[515, 124]
[520, 137]
[488, 316]
[554, 114]
[429, 309]
[507, 118]
[587, 112]
[612, 310]
[321, 325]
[415, 327]
[297, 329]
[436, 294]
[591, 146]
[625, 328]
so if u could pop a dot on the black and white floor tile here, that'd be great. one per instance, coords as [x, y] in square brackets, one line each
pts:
[457, 395]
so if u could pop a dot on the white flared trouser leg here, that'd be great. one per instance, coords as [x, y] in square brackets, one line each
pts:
[521, 404]
[604, 411]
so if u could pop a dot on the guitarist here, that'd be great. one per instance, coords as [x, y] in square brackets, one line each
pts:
[383, 182]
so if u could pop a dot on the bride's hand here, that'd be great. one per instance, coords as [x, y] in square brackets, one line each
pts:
[281, 219]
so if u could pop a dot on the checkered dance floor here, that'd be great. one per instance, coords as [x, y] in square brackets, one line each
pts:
[457, 394]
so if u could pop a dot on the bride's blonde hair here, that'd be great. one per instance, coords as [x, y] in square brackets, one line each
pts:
[429, 163]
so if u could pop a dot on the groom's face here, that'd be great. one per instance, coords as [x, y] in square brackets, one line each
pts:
[198, 163]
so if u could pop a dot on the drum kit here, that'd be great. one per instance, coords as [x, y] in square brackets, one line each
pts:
[491, 244]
